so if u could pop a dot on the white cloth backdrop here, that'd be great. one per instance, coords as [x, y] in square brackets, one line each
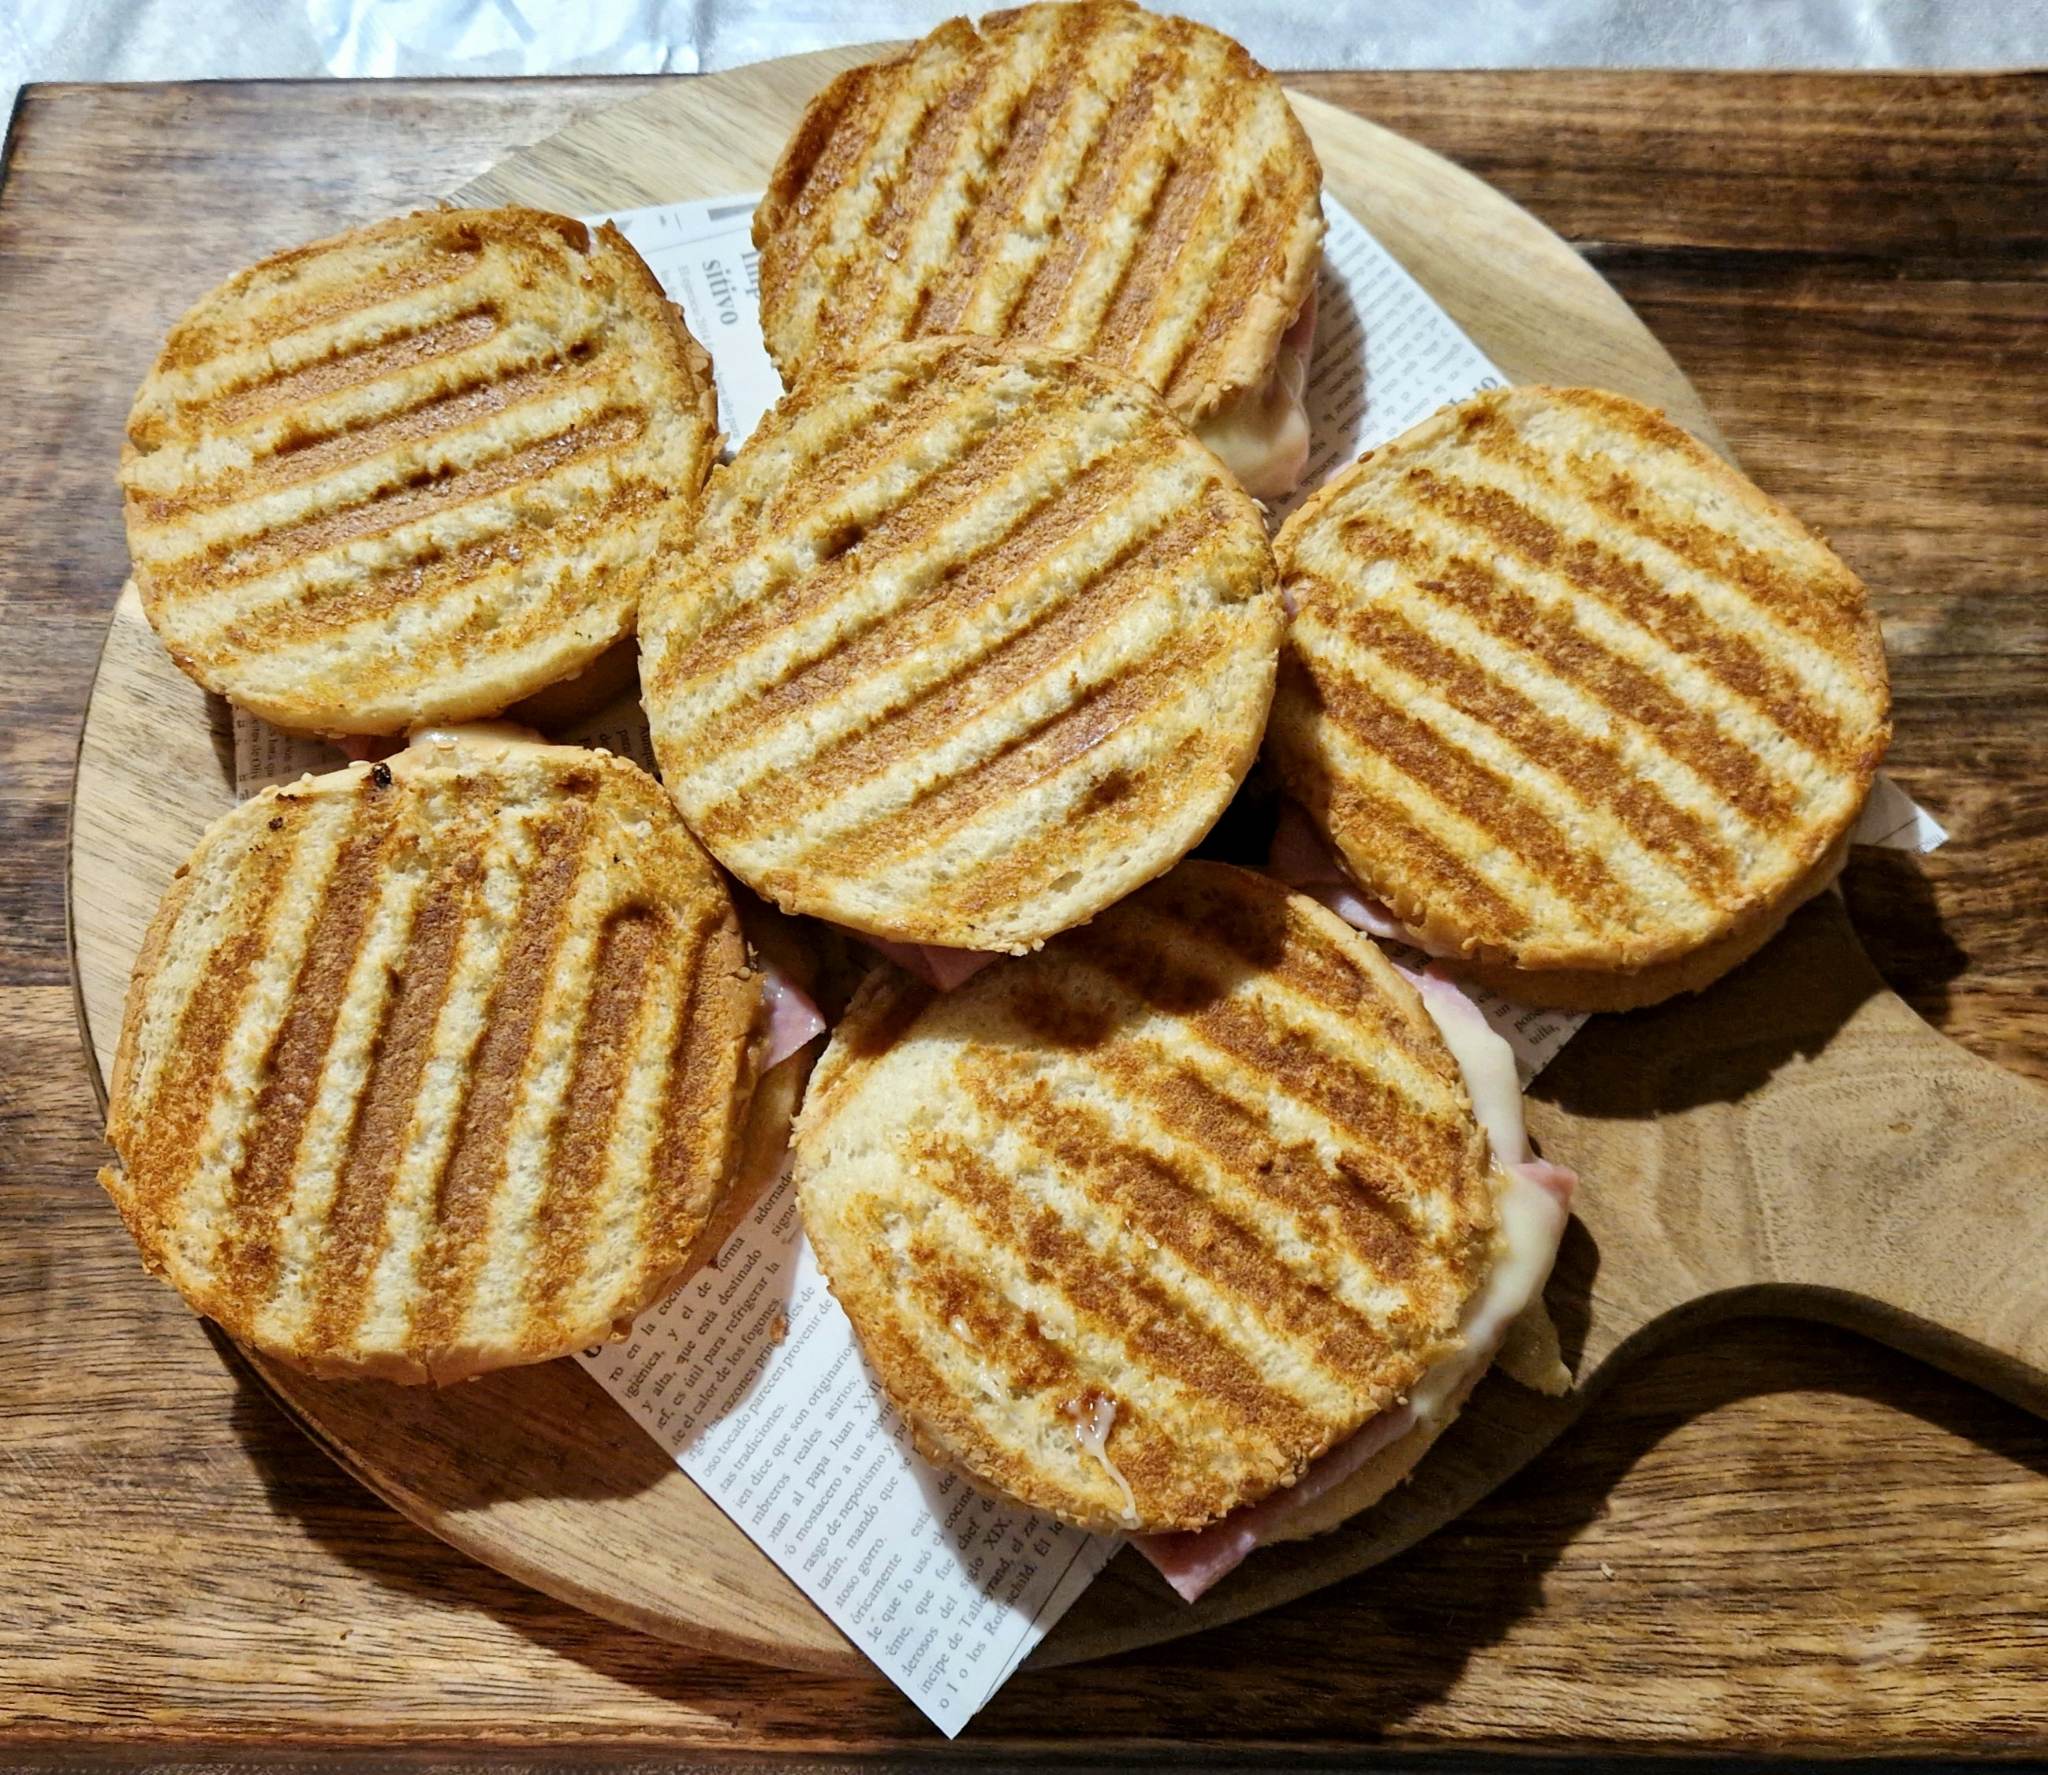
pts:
[199, 39]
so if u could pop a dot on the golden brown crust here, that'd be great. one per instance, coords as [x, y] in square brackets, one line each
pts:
[1201, 1173]
[969, 642]
[1393, 1465]
[147, 960]
[1571, 696]
[437, 1065]
[1589, 989]
[1090, 176]
[412, 473]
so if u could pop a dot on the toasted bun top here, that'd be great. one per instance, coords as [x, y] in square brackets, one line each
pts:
[412, 473]
[971, 640]
[1094, 177]
[1566, 690]
[434, 1066]
[1201, 1176]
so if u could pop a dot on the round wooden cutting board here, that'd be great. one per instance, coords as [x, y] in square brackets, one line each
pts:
[1794, 1138]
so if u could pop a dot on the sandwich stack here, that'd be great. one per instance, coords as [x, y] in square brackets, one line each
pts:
[1190, 1214]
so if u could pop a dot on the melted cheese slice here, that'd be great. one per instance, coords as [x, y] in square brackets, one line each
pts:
[1262, 435]
[487, 739]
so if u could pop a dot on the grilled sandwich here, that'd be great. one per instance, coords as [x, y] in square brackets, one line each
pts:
[1092, 177]
[437, 1065]
[1504, 1321]
[1587, 711]
[1138, 1227]
[413, 473]
[972, 639]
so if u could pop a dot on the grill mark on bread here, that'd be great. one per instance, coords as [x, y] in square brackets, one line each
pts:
[1009, 1340]
[820, 157]
[1261, 938]
[1183, 1116]
[891, 1001]
[892, 122]
[351, 367]
[944, 251]
[1185, 189]
[444, 261]
[246, 1261]
[198, 342]
[1104, 804]
[1374, 1212]
[1151, 1197]
[1625, 691]
[866, 427]
[1428, 858]
[1430, 760]
[1141, 1451]
[690, 1161]
[1593, 570]
[1365, 1159]
[1215, 940]
[1025, 758]
[234, 561]
[1367, 1109]
[1012, 656]
[1081, 140]
[306, 612]
[907, 208]
[357, 1228]
[938, 456]
[297, 459]
[590, 1108]
[1237, 278]
[1823, 603]
[855, 551]
[1013, 1345]
[1041, 126]
[1185, 194]
[166, 1146]
[1809, 603]
[1041, 301]
[1594, 771]
[1137, 181]
[927, 155]
[197, 906]
[475, 1166]
[976, 692]
[1126, 1304]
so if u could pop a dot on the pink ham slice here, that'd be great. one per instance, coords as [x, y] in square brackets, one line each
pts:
[793, 1018]
[943, 969]
[1195, 1563]
[1301, 858]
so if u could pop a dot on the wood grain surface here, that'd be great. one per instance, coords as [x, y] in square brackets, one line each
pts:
[1777, 1538]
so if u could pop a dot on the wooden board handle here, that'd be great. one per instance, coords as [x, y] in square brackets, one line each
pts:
[1802, 1142]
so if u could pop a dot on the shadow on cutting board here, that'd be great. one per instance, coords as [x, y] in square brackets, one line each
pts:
[1417, 1622]
[573, 1442]
[1898, 919]
[1725, 1044]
